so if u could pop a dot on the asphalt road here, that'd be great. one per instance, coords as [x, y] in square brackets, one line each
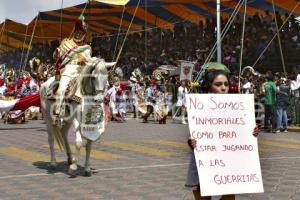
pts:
[132, 161]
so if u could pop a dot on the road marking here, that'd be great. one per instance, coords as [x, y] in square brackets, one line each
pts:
[29, 175]
[279, 144]
[182, 145]
[139, 148]
[24, 154]
[98, 170]
[281, 139]
[129, 167]
[94, 154]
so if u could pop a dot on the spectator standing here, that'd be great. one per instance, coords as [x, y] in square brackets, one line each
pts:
[269, 101]
[295, 88]
[282, 102]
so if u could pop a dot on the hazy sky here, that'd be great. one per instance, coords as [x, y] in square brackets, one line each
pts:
[24, 11]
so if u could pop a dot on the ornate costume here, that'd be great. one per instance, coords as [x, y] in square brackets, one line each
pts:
[71, 56]
[137, 92]
[162, 107]
[181, 101]
[150, 99]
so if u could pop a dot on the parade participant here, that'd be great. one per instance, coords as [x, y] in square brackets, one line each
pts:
[113, 94]
[10, 90]
[161, 106]
[121, 102]
[150, 99]
[20, 87]
[72, 55]
[20, 83]
[136, 87]
[2, 88]
[181, 101]
[31, 83]
[247, 86]
[215, 80]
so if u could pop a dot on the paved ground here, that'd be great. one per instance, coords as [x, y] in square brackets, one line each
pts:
[133, 161]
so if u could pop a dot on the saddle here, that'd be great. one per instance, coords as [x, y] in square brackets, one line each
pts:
[70, 92]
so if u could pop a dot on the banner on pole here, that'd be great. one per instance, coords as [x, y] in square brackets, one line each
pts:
[226, 155]
[186, 70]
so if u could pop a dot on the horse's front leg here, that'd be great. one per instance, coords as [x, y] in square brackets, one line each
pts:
[53, 163]
[50, 130]
[64, 131]
[87, 167]
[78, 145]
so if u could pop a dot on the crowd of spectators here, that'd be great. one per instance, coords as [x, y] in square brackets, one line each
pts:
[193, 42]
[188, 41]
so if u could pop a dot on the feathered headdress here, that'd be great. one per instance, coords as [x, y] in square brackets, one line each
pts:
[80, 24]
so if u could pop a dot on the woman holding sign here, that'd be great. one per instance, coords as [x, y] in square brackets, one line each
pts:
[215, 79]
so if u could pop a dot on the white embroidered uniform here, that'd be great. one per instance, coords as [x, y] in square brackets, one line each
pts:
[181, 101]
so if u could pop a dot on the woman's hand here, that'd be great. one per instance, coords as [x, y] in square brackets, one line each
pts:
[256, 130]
[192, 143]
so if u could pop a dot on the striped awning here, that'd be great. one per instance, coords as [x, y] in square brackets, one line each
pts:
[105, 18]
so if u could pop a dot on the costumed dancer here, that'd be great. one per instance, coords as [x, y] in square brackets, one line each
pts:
[121, 103]
[72, 55]
[150, 99]
[136, 89]
[2, 89]
[10, 91]
[181, 100]
[113, 98]
[161, 107]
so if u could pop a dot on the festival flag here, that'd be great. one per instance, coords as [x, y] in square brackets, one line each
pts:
[20, 104]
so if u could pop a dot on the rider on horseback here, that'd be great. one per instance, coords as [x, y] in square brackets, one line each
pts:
[71, 56]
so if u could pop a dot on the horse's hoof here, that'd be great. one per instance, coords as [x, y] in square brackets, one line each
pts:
[72, 173]
[72, 170]
[87, 173]
[52, 167]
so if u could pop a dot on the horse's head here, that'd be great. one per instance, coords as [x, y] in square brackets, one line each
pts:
[94, 78]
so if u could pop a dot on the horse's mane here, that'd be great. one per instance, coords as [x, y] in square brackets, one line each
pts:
[97, 66]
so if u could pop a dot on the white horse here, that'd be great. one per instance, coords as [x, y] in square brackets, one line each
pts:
[92, 81]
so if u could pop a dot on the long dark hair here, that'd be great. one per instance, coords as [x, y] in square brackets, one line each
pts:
[209, 78]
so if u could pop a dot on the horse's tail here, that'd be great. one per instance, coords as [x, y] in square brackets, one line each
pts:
[58, 137]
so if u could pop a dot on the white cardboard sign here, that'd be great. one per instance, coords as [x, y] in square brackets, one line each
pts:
[226, 155]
